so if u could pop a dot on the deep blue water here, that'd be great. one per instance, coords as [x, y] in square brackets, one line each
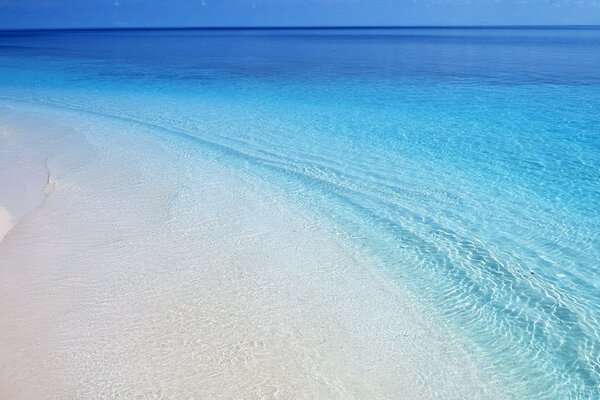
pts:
[464, 162]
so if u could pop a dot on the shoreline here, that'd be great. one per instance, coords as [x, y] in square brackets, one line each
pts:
[152, 265]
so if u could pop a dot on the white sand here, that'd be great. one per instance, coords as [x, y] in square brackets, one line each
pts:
[148, 271]
[6, 222]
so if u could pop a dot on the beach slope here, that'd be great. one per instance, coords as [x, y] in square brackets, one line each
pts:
[140, 268]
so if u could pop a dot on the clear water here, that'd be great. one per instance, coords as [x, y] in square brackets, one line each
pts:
[464, 162]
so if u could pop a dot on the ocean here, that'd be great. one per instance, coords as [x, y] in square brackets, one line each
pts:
[463, 163]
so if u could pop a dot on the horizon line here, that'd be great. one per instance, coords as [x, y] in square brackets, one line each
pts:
[300, 27]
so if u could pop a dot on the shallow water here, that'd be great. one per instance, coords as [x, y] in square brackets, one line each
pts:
[464, 163]
[149, 271]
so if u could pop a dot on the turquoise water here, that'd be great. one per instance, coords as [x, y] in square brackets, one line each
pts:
[464, 162]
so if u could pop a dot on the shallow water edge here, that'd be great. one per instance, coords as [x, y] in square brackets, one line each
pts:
[148, 269]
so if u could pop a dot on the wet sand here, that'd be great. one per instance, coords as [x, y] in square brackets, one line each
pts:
[141, 269]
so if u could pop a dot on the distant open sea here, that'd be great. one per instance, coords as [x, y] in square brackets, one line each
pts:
[464, 162]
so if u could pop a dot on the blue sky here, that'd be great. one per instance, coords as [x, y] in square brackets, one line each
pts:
[130, 13]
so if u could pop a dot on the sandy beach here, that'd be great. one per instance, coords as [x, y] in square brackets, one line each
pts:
[298, 212]
[126, 282]
[6, 222]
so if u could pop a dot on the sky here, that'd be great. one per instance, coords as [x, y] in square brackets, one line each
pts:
[20, 14]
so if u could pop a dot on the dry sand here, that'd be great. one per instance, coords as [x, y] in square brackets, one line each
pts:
[6, 222]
